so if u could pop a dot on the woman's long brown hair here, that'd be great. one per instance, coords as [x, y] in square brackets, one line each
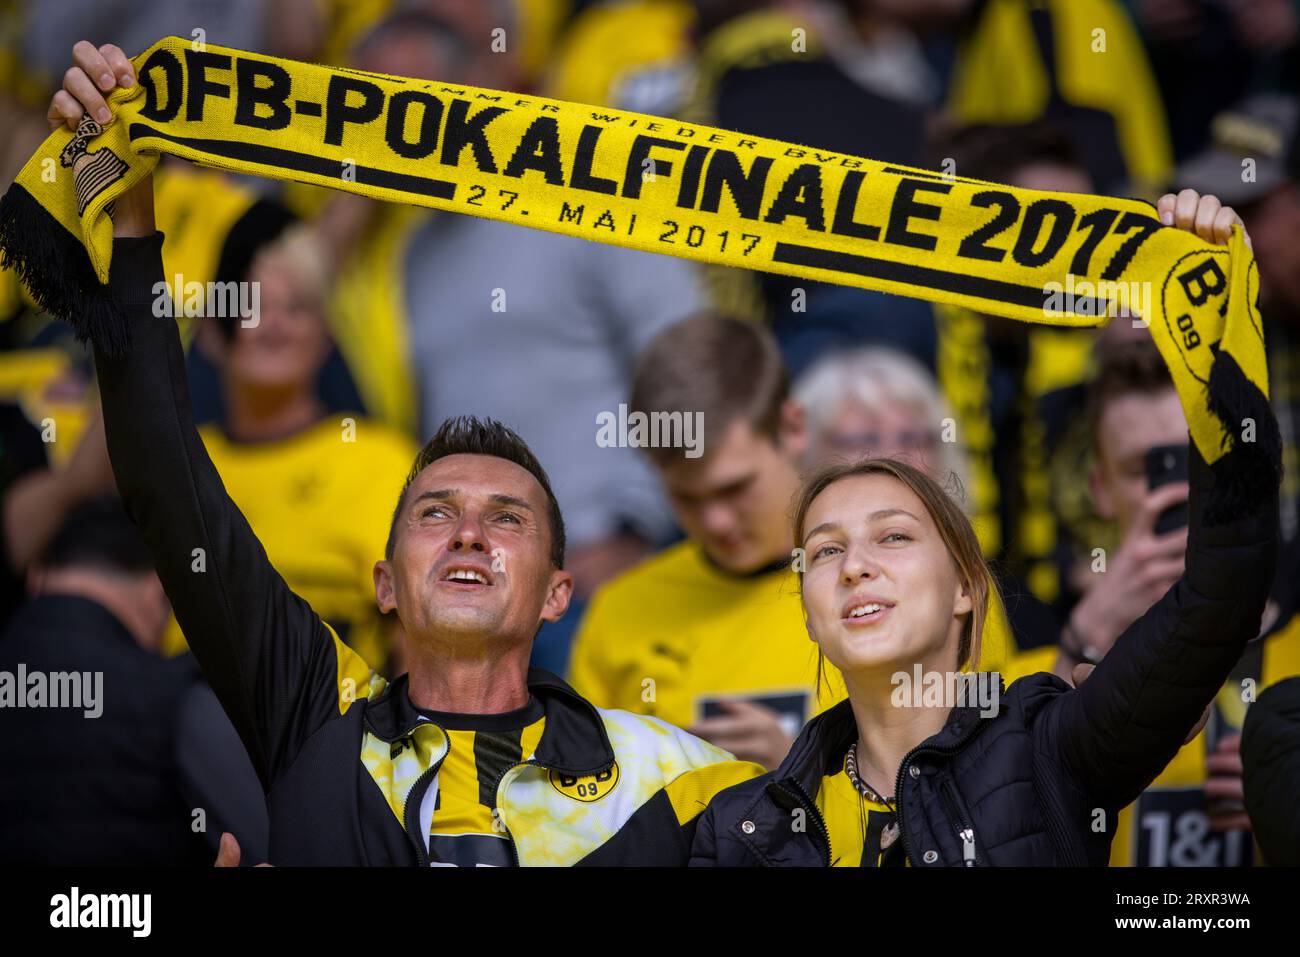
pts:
[954, 528]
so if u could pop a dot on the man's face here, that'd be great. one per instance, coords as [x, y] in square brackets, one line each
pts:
[734, 500]
[471, 559]
[1130, 426]
[870, 541]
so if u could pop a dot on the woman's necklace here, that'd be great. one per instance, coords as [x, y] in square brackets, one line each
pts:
[890, 833]
[851, 768]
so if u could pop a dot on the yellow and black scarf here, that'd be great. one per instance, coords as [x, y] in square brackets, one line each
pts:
[663, 186]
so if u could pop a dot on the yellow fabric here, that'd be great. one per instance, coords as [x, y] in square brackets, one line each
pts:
[368, 318]
[354, 675]
[26, 371]
[469, 765]
[542, 23]
[460, 810]
[612, 45]
[1173, 807]
[1000, 77]
[321, 506]
[1058, 358]
[715, 196]
[962, 363]
[757, 38]
[396, 766]
[195, 209]
[1031, 662]
[555, 820]
[691, 793]
[11, 294]
[27, 378]
[345, 22]
[554, 824]
[850, 819]
[674, 636]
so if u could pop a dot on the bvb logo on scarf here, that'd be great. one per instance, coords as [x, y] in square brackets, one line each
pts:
[664, 186]
[92, 171]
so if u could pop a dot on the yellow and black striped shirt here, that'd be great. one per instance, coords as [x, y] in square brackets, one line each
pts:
[458, 812]
[862, 832]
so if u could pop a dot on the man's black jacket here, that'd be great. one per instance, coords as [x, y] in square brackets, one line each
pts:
[344, 757]
[1043, 781]
[101, 790]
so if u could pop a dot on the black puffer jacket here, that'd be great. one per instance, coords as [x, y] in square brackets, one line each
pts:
[1042, 782]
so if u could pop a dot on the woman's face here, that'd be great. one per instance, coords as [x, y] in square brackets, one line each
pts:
[880, 589]
[289, 343]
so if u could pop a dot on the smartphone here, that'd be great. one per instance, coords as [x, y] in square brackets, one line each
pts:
[1167, 464]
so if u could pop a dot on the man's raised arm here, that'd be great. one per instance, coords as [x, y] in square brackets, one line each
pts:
[274, 665]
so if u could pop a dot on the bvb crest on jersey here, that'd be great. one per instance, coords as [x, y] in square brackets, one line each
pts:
[589, 787]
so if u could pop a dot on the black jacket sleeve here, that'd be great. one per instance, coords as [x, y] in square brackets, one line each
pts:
[1126, 722]
[273, 664]
[704, 849]
[215, 775]
[1270, 756]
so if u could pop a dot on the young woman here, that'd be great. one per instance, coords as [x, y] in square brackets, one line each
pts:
[911, 770]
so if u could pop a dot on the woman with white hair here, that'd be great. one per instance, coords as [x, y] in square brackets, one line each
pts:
[876, 401]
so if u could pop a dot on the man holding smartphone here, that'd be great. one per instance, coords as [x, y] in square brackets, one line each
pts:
[1132, 409]
[1192, 815]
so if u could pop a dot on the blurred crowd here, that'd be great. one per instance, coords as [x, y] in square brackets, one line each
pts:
[1067, 447]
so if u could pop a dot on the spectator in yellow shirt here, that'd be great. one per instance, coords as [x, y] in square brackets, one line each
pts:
[316, 487]
[710, 634]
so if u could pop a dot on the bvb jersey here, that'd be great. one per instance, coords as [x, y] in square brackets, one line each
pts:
[675, 636]
[321, 503]
[633, 55]
[458, 811]
[1167, 826]
[863, 833]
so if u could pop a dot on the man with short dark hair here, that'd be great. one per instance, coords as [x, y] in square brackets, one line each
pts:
[105, 745]
[468, 759]
[709, 633]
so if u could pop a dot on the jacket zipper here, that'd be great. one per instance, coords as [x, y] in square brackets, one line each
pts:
[810, 808]
[965, 831]
[421, 846]
[902, 772]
